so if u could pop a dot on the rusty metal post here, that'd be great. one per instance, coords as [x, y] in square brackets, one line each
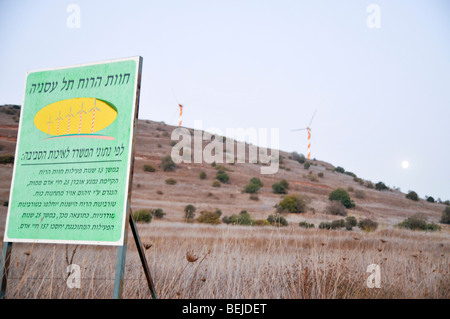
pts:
[4, 267]
[141, 252]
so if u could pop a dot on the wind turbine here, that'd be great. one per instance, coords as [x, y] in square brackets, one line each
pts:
[49, 122]
[81, 118]
[69, 116]
[59, 118]
[93, 115]
[180, 108]
[308, 128]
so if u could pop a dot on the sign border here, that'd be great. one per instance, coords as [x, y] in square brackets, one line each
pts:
[130, 159]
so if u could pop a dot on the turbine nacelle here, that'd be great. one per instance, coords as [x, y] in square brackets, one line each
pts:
[308, 128]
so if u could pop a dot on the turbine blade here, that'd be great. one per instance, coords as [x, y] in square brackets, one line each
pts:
[175, 97]
[299, 129]
[312, 118]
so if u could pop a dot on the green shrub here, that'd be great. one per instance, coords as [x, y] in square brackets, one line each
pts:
[216, 183]
[148, 168]
[340, 194]
[230, 219]
[284, 183]
[277, 188]
[320, 174]
[158, 213]
[277, 220]
[412, 195]
[243, 218]
[336, 208]
[256, 181]
[171, 181]
[298, 157]
[189, 212]
[207, 217]
[325, 225]
[350, 222]
[213, 164]
[418, 222]
[222, 176]
[335, 224]
[173, 143]
[293, 204]
[159, 145]
[218, 212]
[433, 227]
[430, 199]
[306, 165]
[167, 164]
[143, 215]
[306, 225]
[445, 218]
[415, 222]
[254, 197]
[350, 189]
[380, 186]
[202, 175]
[6, 159]
[369, 184]
[368, 225]
[251, 188]
[339, 170]
[351, 174]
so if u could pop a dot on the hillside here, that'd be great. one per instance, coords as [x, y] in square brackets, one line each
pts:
[153, 142]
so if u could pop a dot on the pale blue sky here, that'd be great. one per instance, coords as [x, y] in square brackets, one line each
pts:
[382, 95]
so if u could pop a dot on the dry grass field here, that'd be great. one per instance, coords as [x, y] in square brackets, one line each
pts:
[203, 261]
[192, 260]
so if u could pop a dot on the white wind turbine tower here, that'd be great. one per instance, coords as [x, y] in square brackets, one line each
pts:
[308, 128]
[69, 116]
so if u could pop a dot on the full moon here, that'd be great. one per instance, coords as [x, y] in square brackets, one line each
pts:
[405, 164]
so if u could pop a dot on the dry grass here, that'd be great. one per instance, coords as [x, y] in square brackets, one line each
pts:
[201, 261]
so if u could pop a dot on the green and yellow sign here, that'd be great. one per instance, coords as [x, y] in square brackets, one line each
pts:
[73, 158]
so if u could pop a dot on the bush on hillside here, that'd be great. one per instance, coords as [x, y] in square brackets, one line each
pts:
[293, 204]
[368, 225]
[412, 195]
[340, 194]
